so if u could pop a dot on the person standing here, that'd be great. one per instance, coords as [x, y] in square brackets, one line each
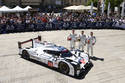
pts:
[82, 41]
[90, 43]
[72, 38]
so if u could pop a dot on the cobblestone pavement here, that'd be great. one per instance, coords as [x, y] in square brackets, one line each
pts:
[110, 46]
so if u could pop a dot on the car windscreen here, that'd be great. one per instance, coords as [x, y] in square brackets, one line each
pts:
[52, 52]
[66, 54]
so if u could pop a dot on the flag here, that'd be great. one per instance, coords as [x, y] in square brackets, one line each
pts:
[103, 7]
[123, 7]
[91, 11]
[108, 11]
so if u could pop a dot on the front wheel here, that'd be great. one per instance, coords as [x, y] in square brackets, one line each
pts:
[64, 68]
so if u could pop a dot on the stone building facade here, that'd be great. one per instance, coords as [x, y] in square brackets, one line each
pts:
[44, 2]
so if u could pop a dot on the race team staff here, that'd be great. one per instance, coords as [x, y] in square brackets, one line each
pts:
[83, 40]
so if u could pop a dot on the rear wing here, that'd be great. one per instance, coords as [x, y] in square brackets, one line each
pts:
[30, 40]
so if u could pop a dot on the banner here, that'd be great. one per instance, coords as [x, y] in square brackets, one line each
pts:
[108, 11]
[91, 11]
[103, 7]
[123, 8]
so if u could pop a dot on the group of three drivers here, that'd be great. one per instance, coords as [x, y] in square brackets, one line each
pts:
[83, 41]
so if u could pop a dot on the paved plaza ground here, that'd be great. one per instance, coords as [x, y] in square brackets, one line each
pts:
[110, 46]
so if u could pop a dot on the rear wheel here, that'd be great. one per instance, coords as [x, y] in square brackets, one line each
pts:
[64, 68]
[25, 55]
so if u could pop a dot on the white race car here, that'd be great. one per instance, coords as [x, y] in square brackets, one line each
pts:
[68, 62]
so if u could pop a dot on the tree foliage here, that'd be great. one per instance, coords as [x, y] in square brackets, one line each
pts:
[114, 3]
[95, 2]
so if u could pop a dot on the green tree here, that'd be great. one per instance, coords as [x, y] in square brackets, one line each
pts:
[114, 3]
[95, 2]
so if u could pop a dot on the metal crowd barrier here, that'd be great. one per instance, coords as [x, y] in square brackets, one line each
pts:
[5, 28]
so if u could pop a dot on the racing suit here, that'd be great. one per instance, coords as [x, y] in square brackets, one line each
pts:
[90, 43]
[82, 41]
[72, 41]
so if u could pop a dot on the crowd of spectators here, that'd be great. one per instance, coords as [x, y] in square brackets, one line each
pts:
[51, 21]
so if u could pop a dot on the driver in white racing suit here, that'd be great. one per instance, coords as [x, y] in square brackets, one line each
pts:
[72, 38]
[90, 43]
[82, 41]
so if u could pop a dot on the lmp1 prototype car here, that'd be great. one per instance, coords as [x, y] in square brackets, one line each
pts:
[68, 62]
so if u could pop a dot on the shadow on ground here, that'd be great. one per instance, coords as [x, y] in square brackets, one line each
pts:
[6, 55]
[96, 58]
[81, 76]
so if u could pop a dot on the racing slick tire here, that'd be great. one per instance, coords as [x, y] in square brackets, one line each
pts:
[64, 68]
[25, 55]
